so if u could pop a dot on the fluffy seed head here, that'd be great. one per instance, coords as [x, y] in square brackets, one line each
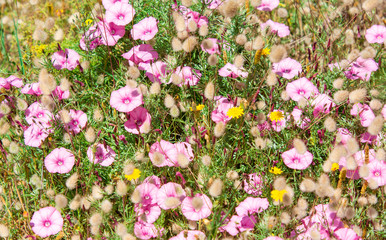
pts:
[203, 30]
[206, 160]
[358, 95]
[158, 158]
[300, 146]
[285, 218]
[136, 196]
[169, 101]
[215, 189]
[174, 111]
[90, 135]
[380, 154]
[271, 79]
[182, 160]
[373, 184]
[351, 163]
[207, 44]
[279, 183]
[4, 231]
[282, 12]
[39, 35]
[121, 229]
[260, 143]
[97, 192]
[375, 104]
[213, 60]
[155, 88]
[229, 8]
[48, 102]
[121, 188]
[239, 61]
[4, 109]
[376, 125]
[330, 124]
[75, 202]
[209, 91]
[338, 83]
[96, 219]
[189, 44]
[21, 104]
[257, 43]
[60, 201]
[219, 129]
[362, 201]
[369, 5]
[179, 21]
[278, 52]
[307, 185]
[241, 39]
[47, 82]
[176, 44]
[197, 203]
[372, 213]
[327, 166]
[72, 181]
[106, 206]
[98, 115]
[336, 153]
[172, 202]
[352, 145]
[341, 96]
[364, 171]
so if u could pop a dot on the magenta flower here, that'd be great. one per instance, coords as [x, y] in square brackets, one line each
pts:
[280, 29]
[105, 156]
[213, 4]
[268, 5]
[35, 135]
[230, 70]
[147, 213]
[376, 34]
[362, 69]
[251, 206]
[189, 75]
[141, 55]
[110, 33]
[144, 230]
[6, 83]
[383, 112]
[366, 115]
[377, 171]
[157, 72]
[153, 180]
[60, 160]
[60, 94]
[234, 225]
[32, 89]
[65, 59]
[345, 135]
[170, 190]
[126, 99]
[121, 13]
[185, 149]
[138, 120]
[195, 214]
[215, 49]
[36, 114]
[109, 3]
[189, 235]
[294, 160]
[322, 104]
[167, 149]
[254, 185]
[196, 17]
[145, 30]
[46, 222]
[148, 193]
[287, 68]
[301, 88]
[78, 121]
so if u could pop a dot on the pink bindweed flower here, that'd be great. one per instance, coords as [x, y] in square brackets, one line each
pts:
[121, 13]
[220, 113]
[346, 234]
[362, 69]
[376, 34]
[185, 149]
[110, 33]
[35, 135]
[301, 88]
[145, 30]
[148, 193]
[126, 99]
[273, 238]
[366, 115]
[168, 151]
[189, 235]
[294, 160]
[141, 55]
[139, 120]
[344, 135]
[213, 4]
[202, 211]
[46, 222]
[297, 115]
[153, 180]
[109, 3]
[196, 17]
[234, 225]
[148, 213]
[287, 68]
[68, 59]
[36, 114]
[280, 29]
[144, 230]
[230, 70]
[251, 206]
[360, 160]
[60, 94]
[60, 160]
[170, 190]
[98, 153]
[32, 89]
[377, 170]
[157, 72]
[383, 112]
[254, 185]
[268, 5]
[78, 121]
[6, 83]
[189, 75]
[215, 49]
[322, 104]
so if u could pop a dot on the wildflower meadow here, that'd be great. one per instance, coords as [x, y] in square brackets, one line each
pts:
[192, 119]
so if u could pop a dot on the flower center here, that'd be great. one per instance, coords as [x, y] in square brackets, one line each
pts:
[301, 92]
[147, 212]
[75, 122]
[126, 101]
[120, 17]
[47, 223]
[377, 174]
[296, 160]
[40, 115]
[113, 32]
[60, 162]
[147, 197]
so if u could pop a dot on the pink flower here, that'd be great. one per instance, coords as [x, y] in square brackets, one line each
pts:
[35, 135]
[345, 135]
[6, 83]
[65, 59]
[215, 49]
[168, 190]
[138, 121]
[195, 214]
[110, 33]
[145, 30]
[148, 193]
[220, 113]
[157, 72]
[273, 238]
[185, 149]
[234, 225]
[254, 185]
[280, 29]
[32, 89]
[167, 149]
[147, 213]
[189, 75]
[268, 5]
[278, 124]
[362, 69]
[144, 230]
[109, 3]
[121, 13]
[230, 70]
[36, 114]
[196, 17]
[153, 180]
[46, 222]
[322, 104]
[377, 170]
[60, 94]
[78, 121]
[98, 153]
[365, 113]
[297, 114]
[383, 112]
[251, 206]
[346, 234]
[376, 34]
[189, 235]
[141, 55]
[301, 88]
[287, 68]
[213, 4]
[294, 160]
[126, 99]
[60, 160]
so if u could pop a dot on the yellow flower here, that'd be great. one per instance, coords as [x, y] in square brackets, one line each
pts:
[281, 5]
[135, 175]
[88, 21]
[275, 170]
[334, 167]
[266, 51]
[198, 108]
[278, 195]
[235, 112]
[276, 116]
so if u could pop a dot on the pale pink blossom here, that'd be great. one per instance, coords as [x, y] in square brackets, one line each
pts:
[78, 121]
[273, 238]
[101, 154]
[346, 234]
[220, 113]
[148, 213]
[46, 222]
[213, 4]
[301, 88]
[153, 180]
[322, 104]
[234, 225]
[6, 83]
[185, 149]
[189, 235]
[121, 13]
[60, 94]
[196, 17]
[32, 89]
[268, 5]
[37, 114]
[251, 206]
[377, 172]
[230, 70]
[190, 76]
[144, 230]
[297, 115]
[109, 3]
[168, 190]
[145, 30]
[279, 124]
[138, 121]
[60, 160]
[344, 134]
[376, 34]
[253, 184]
[361, 68]
[35, 135]
[383, 112]
[215, 49]
[68, 59]
[141, 55]
[294, 160]
[101, 33]
[196, 214]
[366, 115]
[168, 150]
[148, 193]
[287, 68]
[280, 29]
[157, 72]
[126, 99]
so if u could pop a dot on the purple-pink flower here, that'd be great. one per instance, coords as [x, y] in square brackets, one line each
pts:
[268, 5]
[322, 104]
[366, 115]
[6, 83]
[376, 34]
[99, 153]
[294, 160]
[109, 3]
[377, 172]
[121, 13]
[280, 29]
[78, 121]
[168, 151]
[60, 160]
[157, 72]
[215, 48]
[361, 68]
[301, 88]
[32, 89]
[144, 230]
[139, 120]
[68, 59]
[35, 135]
[170, 190]
[141, 55]
[190, 76]
[145, 30]
[253, 184]
[251, 206]
[126, 99]
[46, 222]
[287, 68]
[194, 214]
[189, 235]
[36, 114]
[148, 193]
[230, 70]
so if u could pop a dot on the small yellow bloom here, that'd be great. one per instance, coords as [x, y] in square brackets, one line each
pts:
[281, 5]
[88, 21]
[235, 112]
[334, 167]
[276, 116]
[265, 51]
[275, 170]
[198, 108]
[278, 195]
[135, 175]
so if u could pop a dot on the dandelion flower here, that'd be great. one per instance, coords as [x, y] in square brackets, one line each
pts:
[277, 195]
[276, 116]
[235, 112]
[135, 175]
[275, 170]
